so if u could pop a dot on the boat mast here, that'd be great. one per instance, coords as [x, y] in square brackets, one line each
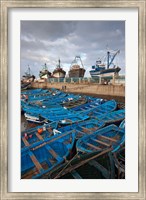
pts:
[78, 57]
[28, 70]
[59, 63]
[45, 66]
[108, 57]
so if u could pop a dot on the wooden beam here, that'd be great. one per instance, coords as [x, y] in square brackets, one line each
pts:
[39, 136]
[93, 146]
[101, 142]
[51, 151]
[108, 138]
[85, 129]
[36, 162]
[25, 141]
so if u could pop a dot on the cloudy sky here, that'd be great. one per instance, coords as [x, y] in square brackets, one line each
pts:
[47, 41]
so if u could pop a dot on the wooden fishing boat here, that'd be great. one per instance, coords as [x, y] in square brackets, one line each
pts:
[46, 96]
[28, 77]
[25, 86]
[41, 157]
[39, 109]
[33, 92]
[112, 117]
[41, 115]
[91, 104]
[76, 68]
[46, 115]
[36, 134]
[70, 119]
[83, 128]
[58, 71]
[108, 137]
[75, 102]
[44, 73]
[102, 109]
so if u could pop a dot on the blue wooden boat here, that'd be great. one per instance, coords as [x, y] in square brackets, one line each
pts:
[75, 102]
[39, 107]
[32, 110]
[46, 115]
[104, 108]
[91, 104]
[83, 128]
[46, 96]
[112, 117]
[70, 119]
[41, 157]
[44, 102]
[111, 137]
[36, 134]
[40, 115]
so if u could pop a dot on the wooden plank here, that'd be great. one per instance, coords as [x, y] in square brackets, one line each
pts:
[94, 128]
[39, 136]
[101, 142]
[75, 174]
[85, 129]
[25, 141]
[51, 151]
[36, 162]
[93, 146]
[108, 138]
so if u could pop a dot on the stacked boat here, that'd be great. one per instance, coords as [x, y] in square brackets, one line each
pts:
[27, 79]
[58, 71]
[67, 124]
[44, 73]
[77, 68]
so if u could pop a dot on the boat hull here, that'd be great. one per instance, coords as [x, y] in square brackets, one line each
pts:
[104, 73]
[77, 73]
[58, 74]
[41, 157]
[111, 137]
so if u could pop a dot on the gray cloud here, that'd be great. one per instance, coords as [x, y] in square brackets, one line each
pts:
[46, 41]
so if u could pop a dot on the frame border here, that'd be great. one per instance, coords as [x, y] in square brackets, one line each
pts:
[5, 5]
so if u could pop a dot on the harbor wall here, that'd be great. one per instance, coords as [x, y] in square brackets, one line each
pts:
[90, 88]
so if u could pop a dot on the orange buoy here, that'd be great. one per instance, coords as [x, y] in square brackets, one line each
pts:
[40, 130]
